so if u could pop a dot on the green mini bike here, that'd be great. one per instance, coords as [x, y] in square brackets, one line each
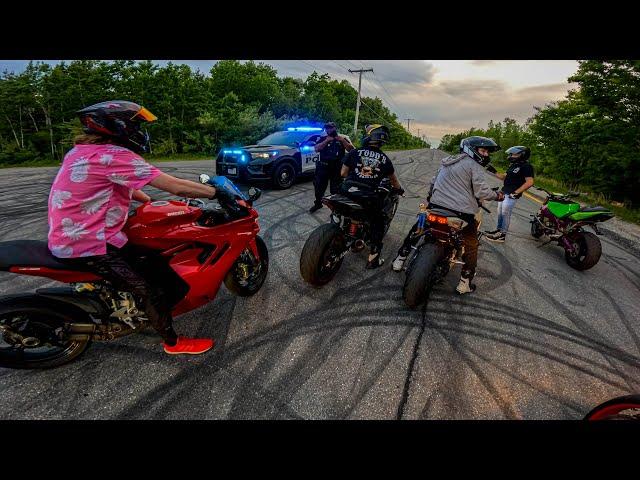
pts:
[562, 220]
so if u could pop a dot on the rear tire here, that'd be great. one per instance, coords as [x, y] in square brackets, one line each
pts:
[322, 246]
[284, 176]
[590, 250]
[36, 321]
[420, 277]
[246, 288]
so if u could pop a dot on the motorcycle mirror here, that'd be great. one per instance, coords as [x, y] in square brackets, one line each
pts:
[254, 193]
[204, 178]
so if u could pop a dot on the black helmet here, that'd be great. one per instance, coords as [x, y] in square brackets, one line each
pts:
[525, 153]
[470, 146]
[375, 135]
[120, 120]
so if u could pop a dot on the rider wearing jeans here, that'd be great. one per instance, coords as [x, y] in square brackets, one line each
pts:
[364, 169]
[518, 179]
[89, 202]
[458, 186]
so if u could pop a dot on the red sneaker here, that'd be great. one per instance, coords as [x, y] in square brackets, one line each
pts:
[191, 346]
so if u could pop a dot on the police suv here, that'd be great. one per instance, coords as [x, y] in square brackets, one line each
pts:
[280, 157]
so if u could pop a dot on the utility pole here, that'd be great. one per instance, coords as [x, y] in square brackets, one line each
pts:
[361, 71]
[408, 121]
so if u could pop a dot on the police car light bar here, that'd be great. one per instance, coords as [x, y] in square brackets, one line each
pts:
[304, 129]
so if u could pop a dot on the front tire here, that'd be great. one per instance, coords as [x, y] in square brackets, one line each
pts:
[32, 335]
[322, 254]
[589, 251]
[245, 279]
[536, 228]
[421, 274]
[284, 176]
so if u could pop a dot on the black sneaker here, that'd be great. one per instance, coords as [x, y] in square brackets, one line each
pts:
[492, 232]
[315, 208]
[496, 237]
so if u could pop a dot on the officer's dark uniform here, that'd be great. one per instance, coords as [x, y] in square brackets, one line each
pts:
[328, 169]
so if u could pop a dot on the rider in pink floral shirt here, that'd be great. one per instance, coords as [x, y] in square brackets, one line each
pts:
[90, 199]
[89, 205]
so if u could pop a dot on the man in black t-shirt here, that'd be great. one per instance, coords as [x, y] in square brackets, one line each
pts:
[332, 149]
[518, 179]
[364, 169]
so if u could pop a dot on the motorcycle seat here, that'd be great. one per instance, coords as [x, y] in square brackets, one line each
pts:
[341, 199]
[593, 209]
[30, 253]
[442, 213]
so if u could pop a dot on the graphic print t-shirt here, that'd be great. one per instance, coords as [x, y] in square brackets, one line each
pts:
[368, 166]
[90, 197]
[516, 176]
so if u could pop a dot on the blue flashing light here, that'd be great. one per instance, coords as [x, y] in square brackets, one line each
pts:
[274, 153]
[237, 152]
[304, 129]
[226, 151]
[307, 148]
[242, 158]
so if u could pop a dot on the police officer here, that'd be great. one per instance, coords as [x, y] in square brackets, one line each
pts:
[332, 149]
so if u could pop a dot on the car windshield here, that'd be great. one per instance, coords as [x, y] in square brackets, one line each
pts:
[284, 138]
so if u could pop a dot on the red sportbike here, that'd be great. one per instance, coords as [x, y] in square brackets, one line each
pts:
[185, 248]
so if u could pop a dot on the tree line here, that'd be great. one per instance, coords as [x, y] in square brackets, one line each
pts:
[590, 139]
[237, 103]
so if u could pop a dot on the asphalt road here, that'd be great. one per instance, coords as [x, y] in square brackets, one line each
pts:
[537, 340]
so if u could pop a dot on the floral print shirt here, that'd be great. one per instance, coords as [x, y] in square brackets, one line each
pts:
[90, 197]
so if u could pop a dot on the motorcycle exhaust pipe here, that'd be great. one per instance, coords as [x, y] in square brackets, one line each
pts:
[359, 244]
[81, 331]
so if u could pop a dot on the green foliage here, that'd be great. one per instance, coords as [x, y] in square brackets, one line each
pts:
[237, 103]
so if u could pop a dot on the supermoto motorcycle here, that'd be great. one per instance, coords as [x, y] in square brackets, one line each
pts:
[185, 248]
[562, 220]
[349, 230]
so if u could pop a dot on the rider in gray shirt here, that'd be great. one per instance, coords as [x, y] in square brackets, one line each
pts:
[458, 186]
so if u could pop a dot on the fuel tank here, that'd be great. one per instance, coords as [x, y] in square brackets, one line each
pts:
[159, 219]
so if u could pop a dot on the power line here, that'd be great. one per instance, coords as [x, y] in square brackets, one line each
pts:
[387, 92]
[382, 97]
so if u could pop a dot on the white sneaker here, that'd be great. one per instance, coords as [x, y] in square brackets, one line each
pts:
[398, 263]
[465, 286]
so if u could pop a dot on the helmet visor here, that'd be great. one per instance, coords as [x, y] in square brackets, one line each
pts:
[145, 115]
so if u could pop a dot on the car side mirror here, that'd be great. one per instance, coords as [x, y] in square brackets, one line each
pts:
[204, 178]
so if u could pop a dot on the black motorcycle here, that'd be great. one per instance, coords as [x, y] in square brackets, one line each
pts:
[439, 248]
[349, 230]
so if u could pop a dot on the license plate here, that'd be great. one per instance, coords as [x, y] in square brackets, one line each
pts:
[232, 171]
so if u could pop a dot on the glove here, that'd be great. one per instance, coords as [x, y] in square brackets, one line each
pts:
[500, 196]
[399, 191]
[224, 197]
[514, 196]
[491, 169]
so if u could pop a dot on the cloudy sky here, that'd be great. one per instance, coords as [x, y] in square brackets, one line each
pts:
[443, 96]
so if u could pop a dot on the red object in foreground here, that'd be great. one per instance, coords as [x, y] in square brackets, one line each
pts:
[630, 404]
[191, 346]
